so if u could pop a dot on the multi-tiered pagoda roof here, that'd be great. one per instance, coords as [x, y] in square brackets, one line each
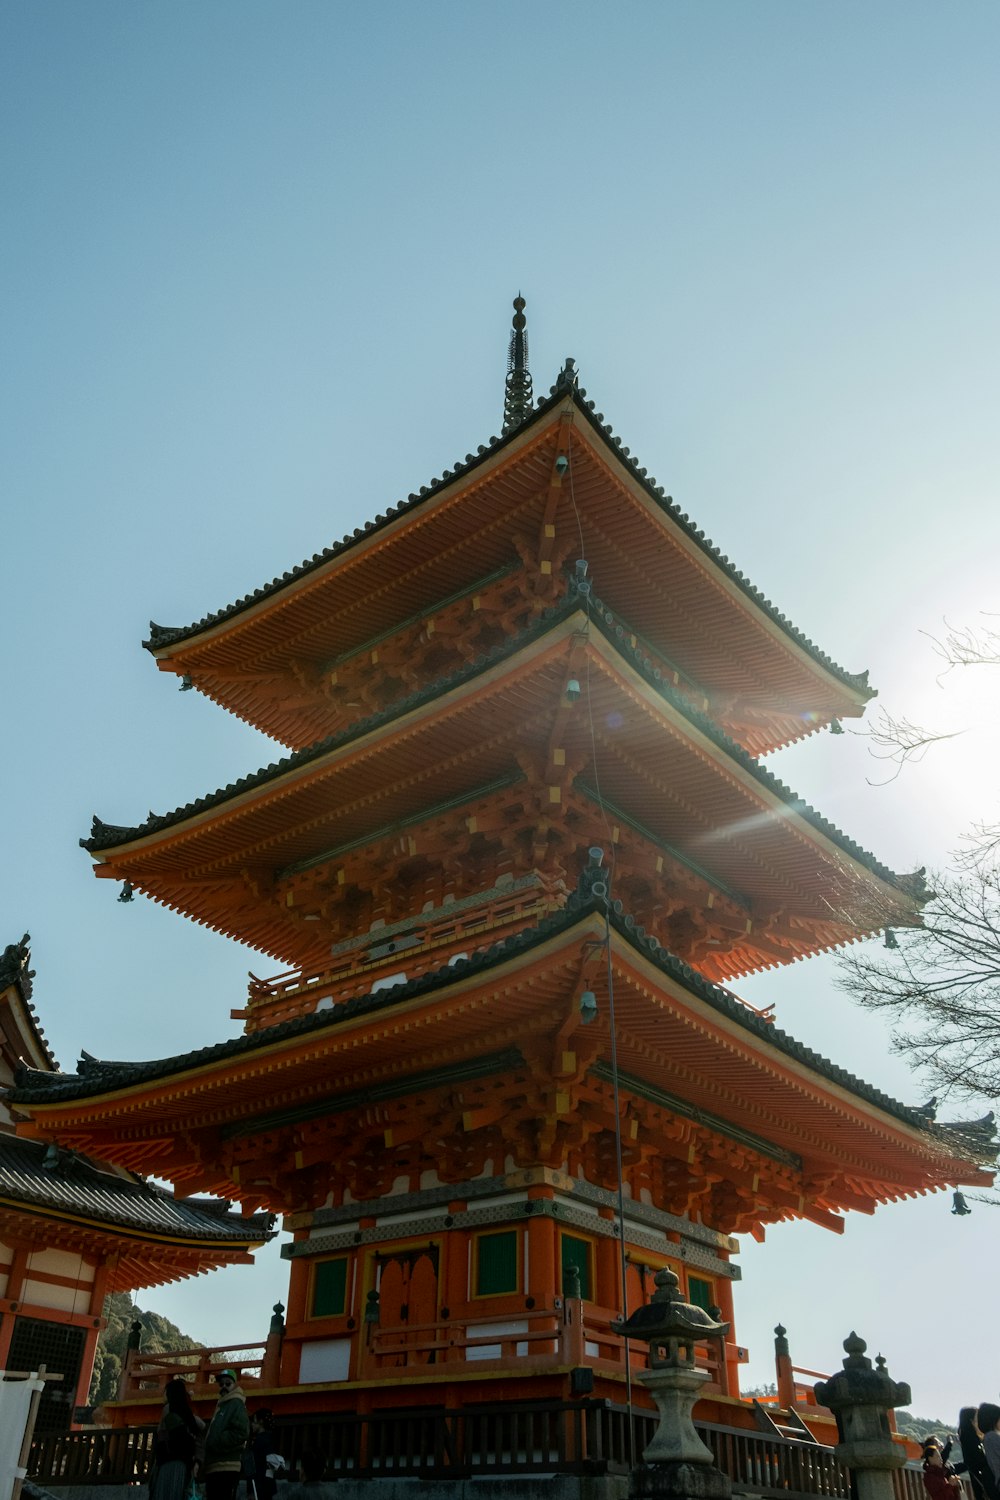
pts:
[520, 843]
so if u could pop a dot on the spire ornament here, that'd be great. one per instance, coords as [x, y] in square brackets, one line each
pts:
[518, 398]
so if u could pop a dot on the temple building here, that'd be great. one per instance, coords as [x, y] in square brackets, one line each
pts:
[520, 845]
[74, 1228]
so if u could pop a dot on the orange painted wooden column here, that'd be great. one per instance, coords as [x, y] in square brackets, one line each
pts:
[607, 1289]
[455, 1273]
[543, 1262]
[298, 1288]
[724, 1297]
[15, 1283]
[783, 1370]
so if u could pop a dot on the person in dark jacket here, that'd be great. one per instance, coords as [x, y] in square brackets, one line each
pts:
[987, 1418]
[261, 1444]
[970, 1439]
[226, 1439]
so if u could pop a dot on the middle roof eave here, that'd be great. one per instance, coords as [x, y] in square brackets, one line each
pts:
[131, 848]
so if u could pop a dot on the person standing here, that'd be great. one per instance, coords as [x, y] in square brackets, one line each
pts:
[175, 1444]
[987, 1418]
[940, 1480]
[984, 1486]
[226, 1439]
[261, 1444]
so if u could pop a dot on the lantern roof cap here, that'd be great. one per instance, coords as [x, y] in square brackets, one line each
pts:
[668, 1316]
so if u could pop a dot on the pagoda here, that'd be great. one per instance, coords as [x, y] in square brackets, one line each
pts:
[73, 1229]
[521, 843]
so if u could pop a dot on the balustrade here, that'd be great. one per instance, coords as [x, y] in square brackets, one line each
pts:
[543, 1338]
[431, 940]
[143, 1372]
[568, 1437]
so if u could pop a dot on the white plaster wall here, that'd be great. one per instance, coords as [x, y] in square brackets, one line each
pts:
[324, 1360]
[64, 1298]
[61, 1263]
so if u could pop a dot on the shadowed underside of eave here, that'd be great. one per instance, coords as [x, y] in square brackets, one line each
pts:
[135, 1262]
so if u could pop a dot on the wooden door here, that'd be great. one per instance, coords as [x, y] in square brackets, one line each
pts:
[407, 1282]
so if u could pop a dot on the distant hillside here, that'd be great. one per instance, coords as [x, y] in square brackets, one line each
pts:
[921, 1427]
[157, 1334]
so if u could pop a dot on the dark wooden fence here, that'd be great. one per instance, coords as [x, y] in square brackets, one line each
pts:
[95, 1457]
[557, 1437]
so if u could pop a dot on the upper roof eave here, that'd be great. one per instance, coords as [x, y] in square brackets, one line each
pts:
[106, 837]
[163, 638]
[95, 1078]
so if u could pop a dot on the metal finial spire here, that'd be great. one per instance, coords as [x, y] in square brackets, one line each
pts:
[518, 396]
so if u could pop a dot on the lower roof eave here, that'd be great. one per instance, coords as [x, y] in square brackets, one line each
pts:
[123, 1095]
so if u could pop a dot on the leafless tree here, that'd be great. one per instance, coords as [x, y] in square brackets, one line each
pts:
[939, 984]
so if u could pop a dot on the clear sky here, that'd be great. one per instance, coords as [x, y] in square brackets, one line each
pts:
[257, 268]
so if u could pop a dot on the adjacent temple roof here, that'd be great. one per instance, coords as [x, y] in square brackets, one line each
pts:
[50, 1180]
[16, 978]
[62, 1197]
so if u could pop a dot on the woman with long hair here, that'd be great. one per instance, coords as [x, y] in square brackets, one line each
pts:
[970, 1440]
[175, 1444]
[987, 1420]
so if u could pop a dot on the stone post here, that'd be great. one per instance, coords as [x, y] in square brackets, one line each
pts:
[861, 1398]
[676, 1465]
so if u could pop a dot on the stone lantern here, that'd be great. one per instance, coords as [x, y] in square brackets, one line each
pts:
[861, 1398]
[676, 1464]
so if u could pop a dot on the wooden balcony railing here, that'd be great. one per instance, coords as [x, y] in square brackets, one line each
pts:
[553, 1437]
[542, 1339]
[142, 1372]
[412, 947]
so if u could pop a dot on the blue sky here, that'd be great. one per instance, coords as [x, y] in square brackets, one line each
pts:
[257, 270]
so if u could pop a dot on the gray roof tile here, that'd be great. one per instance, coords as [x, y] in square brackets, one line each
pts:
[73, 1184]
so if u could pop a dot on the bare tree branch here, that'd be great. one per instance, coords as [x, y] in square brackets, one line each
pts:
[967, 646]
[941, 986]
[899, 741]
